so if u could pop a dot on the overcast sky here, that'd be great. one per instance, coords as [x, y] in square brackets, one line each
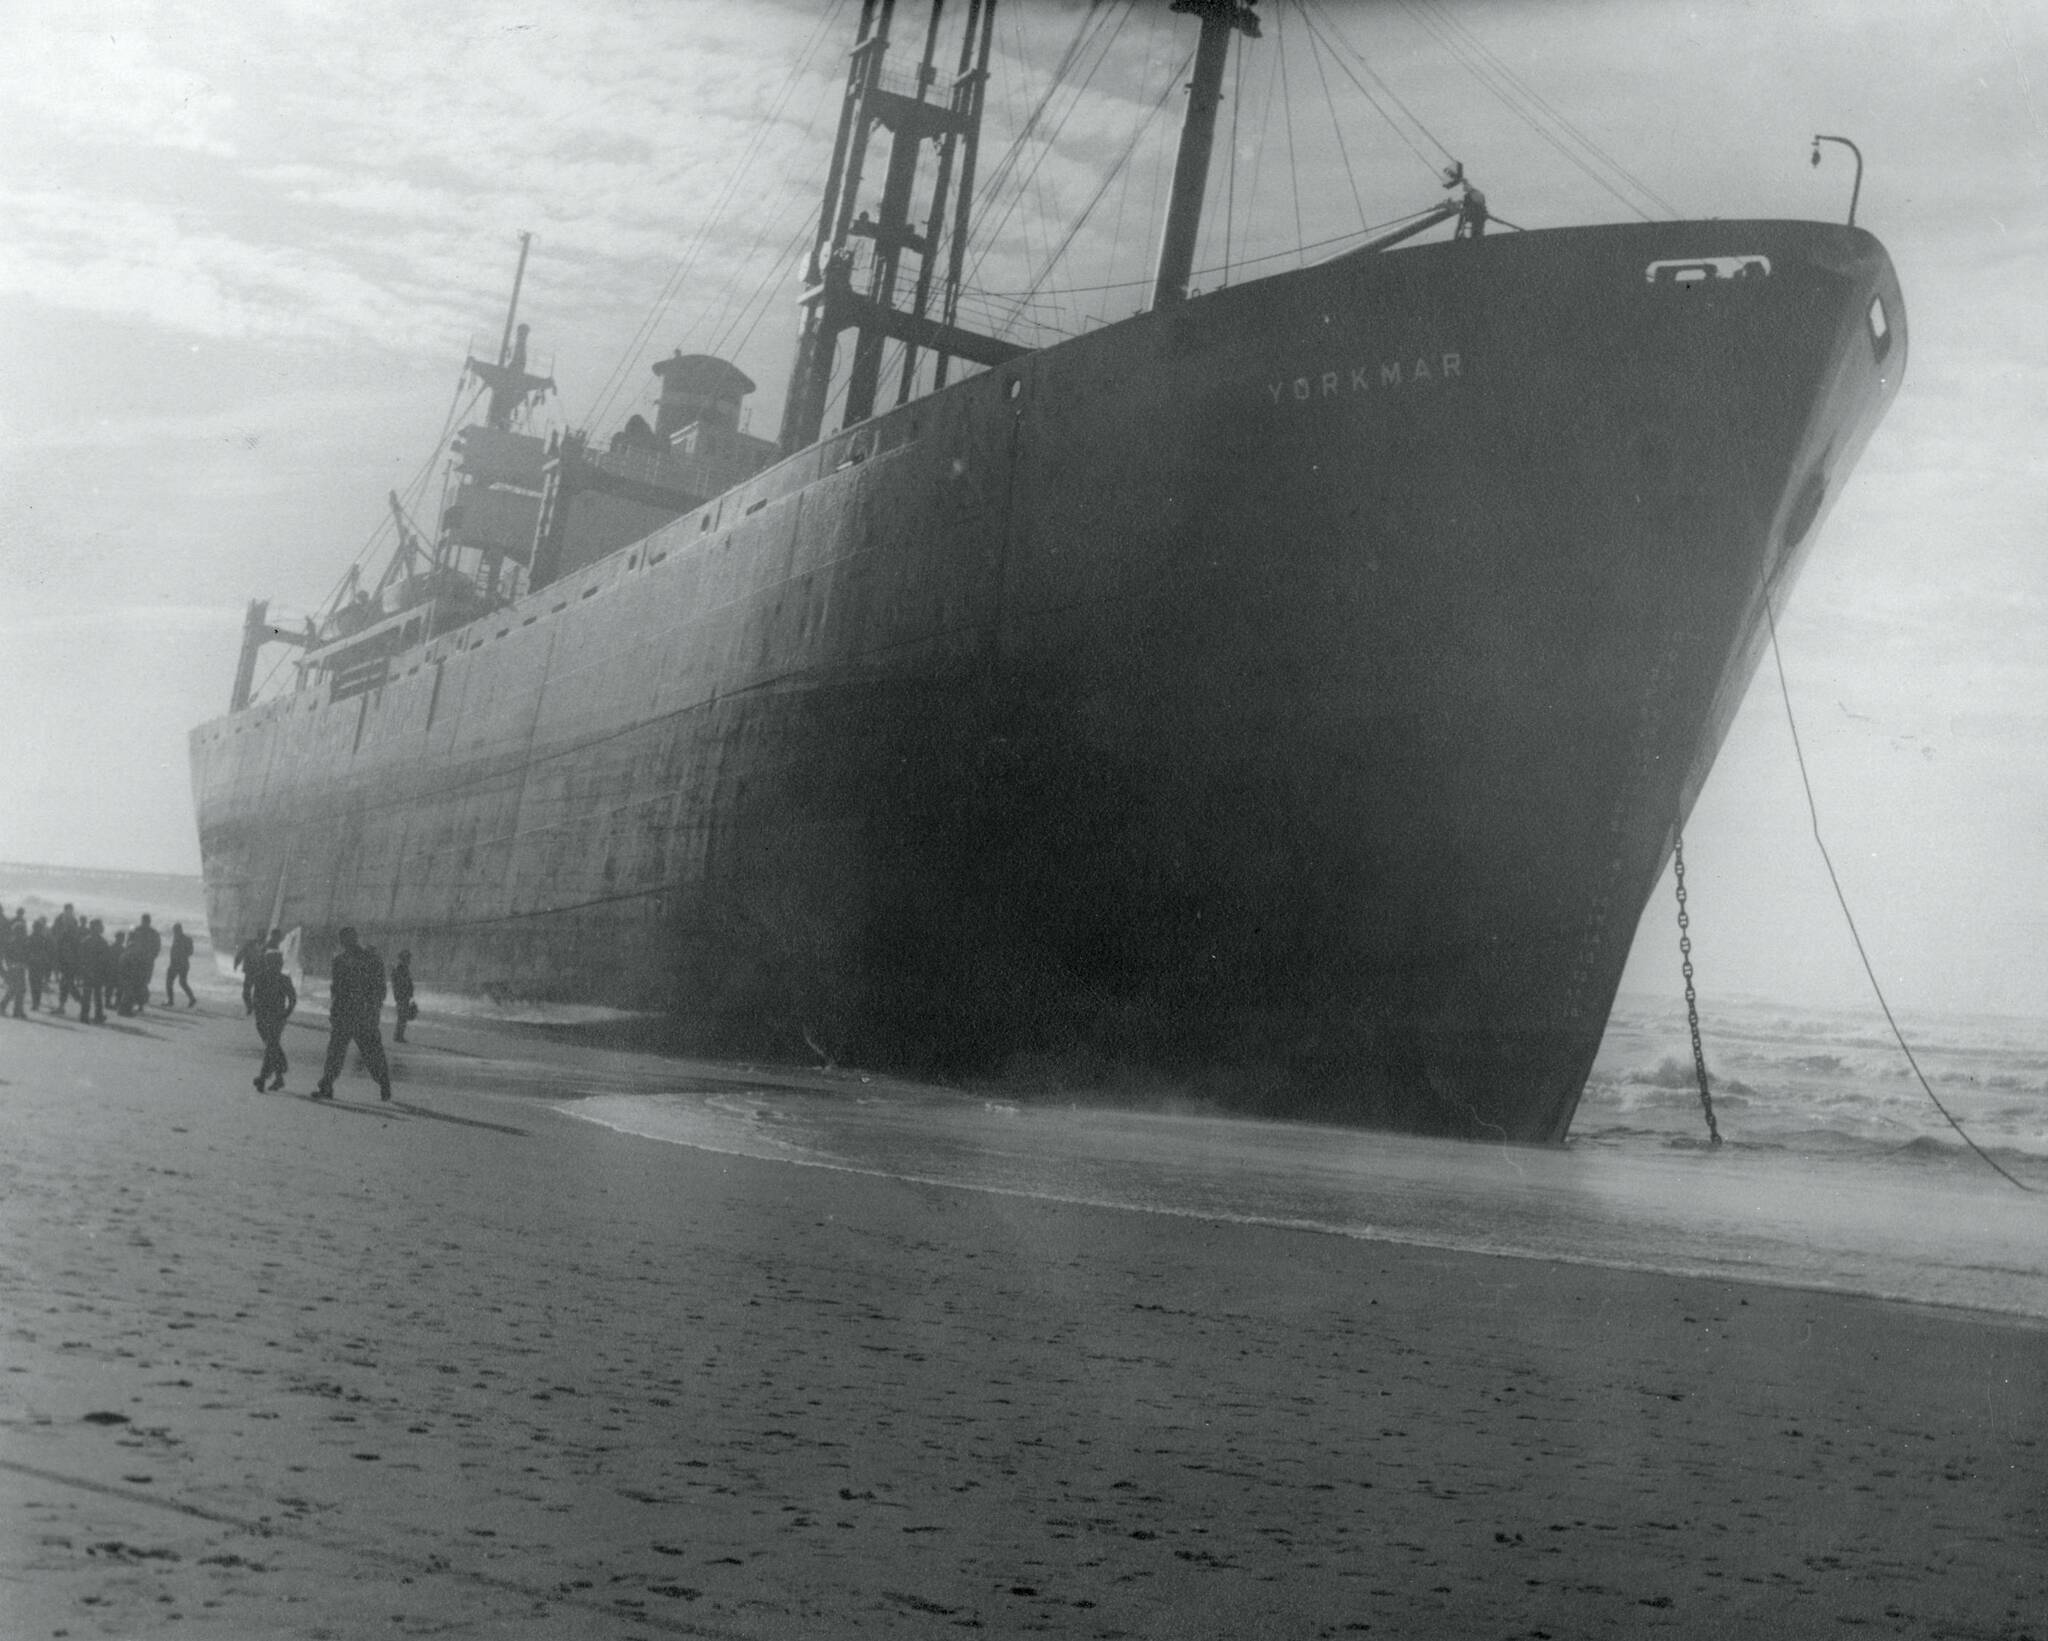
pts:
[250, 243]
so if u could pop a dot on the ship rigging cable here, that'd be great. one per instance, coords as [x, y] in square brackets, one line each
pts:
[456, 413]
[1287, 118]
[1098, 30]
[1528, 105]
[1276, 63]
[1018, 174]
[1320, 54]
[1813, 812]
[990, 232]
[1335, 36]
[1154, 49]
[1108, 176]
[761, 299]
[1145, 283]
[1091, 43]
[735, 179]
[1230, 176]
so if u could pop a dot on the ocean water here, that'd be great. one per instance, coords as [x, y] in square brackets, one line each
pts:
[1816, 1080]
[117, 898]
[1835, 1171]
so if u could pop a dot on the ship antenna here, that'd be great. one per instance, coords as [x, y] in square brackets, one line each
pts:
[1856, 190]
[1197, 137]
[512, 310]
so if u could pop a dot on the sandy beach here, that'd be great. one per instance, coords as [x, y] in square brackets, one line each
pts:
[463, 1365]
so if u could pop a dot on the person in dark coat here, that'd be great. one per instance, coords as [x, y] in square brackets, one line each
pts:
[42, 954]
[134, 980]
[401, 995]
[95, 960]
[144, 945]
[355, 997]
[13, 965]
[179, 971]
[249, 950]
[268, 993]
[64, 937]
[114, 974]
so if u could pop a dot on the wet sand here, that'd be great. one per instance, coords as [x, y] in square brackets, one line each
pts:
[465, 1366]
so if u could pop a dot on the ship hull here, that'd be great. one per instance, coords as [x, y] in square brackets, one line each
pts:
[1294, 694]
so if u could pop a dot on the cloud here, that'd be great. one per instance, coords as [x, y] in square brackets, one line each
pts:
[325, 171]
[154, 260]
[98, 621]
[96, 75]
[123, 436]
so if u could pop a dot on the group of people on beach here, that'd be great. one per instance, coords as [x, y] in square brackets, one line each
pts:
[355, 1000]
[76, 954]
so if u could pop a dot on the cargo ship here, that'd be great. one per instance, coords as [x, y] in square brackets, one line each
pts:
[1291, 693]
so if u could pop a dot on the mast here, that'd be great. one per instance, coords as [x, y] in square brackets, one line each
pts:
[832, 304]
[512, 385]
[890, 246]
[1197, 137]
[969, 90]
[512, 311]
[488, 452]
[255, 629]
[967, 97]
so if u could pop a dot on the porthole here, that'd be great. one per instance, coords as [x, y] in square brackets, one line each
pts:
[1880, 326]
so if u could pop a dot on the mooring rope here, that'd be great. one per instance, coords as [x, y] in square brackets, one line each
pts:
[1813, 812]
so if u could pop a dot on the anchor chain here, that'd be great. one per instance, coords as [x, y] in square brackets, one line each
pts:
[1692, 1007]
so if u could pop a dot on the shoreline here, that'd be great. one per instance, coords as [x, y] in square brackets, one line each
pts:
[1960, 1309]
[472, 1365]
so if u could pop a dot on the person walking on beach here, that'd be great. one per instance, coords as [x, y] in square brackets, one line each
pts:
[401, 995]
[268, 993]
[251, 949]
[355, 997]
[179, 972]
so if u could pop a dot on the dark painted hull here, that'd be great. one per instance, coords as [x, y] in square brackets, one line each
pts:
[1295, 693]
